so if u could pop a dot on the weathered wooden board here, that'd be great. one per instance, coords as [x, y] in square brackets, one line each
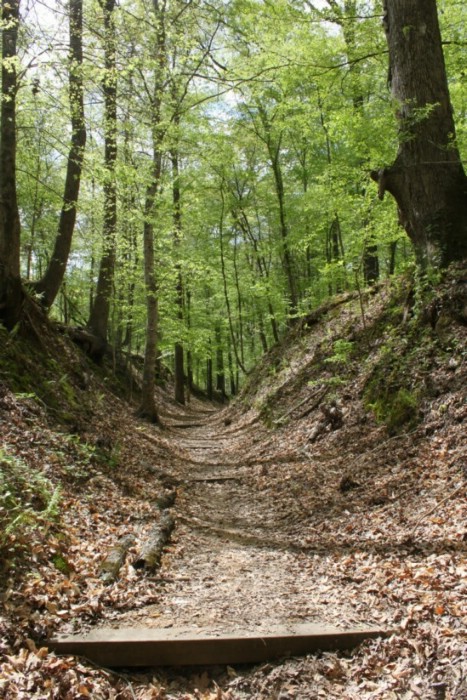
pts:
[186, 647]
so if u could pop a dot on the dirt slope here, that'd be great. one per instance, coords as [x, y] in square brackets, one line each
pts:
[333, 491]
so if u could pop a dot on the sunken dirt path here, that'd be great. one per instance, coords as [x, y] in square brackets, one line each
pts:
[235, 559]
[265, 536]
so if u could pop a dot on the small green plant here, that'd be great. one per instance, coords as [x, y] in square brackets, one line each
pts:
[425, 281]
[61, 564]
[28, 500]
[342, 350]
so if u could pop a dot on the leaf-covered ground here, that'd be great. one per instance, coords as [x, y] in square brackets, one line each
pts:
[333, 491]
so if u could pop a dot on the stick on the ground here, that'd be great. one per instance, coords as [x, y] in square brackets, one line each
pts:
[294, 408]
[316, 403]
[440, 503]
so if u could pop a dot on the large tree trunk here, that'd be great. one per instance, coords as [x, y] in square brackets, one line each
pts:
[99, 317]
[427, 178]
[49, 286]
[11, 294]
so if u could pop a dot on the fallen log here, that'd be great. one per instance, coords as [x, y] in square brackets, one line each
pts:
[110, 567]
[151, 552]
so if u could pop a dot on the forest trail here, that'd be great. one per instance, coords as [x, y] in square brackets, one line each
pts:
[284, 514]
[234, 561]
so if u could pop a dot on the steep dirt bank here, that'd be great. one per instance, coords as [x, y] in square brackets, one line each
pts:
[333, 491]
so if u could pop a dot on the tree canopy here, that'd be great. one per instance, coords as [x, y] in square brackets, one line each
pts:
[186, 179]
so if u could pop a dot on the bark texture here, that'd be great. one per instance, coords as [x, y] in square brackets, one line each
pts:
[11, 294]
[110, 567]
[427, 178]
[49, 286]
[99, 316]
[152, 550]
[147, 407]
[177, 220]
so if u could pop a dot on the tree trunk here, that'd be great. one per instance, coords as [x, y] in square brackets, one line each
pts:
[427, 179]
[99, 317]
[147, 407]
[370, 249]
[48, 287]
[177, 219]
[241, 219]
[220, 370]
[189, 356]
[209, 384]
[392, 258]
[370, 263]
[274, 154]
[233, 387]
[11, 293]
[238, 356]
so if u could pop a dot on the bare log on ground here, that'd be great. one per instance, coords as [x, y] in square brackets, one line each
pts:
[332, 419]
[151, 552]
[113, 562]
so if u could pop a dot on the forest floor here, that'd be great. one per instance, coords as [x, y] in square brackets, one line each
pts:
[292, 505]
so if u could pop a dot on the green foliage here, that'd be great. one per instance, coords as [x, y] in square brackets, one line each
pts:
[274, 149]
[396, 410]
[342, 351]
[28, 501]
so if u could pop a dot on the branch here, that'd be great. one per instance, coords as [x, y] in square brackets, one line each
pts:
[437, 505]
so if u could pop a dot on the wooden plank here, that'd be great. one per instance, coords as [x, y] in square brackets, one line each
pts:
[194, 647]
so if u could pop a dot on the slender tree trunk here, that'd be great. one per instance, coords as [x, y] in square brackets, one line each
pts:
[370, 249]
[189, 355]
[241, 219]
[239, 302]
[99, 317]
[177, 219]
[262, 334]
[147, 407]
[334, 243]
[335, 248]
[274, 154]
[11, 293]
[370, 263]
[209, 382]
[225, 286]
[427, 179]
[37, 207]
[220, 369]
[392, 257]
[48, 287]
[273, 145]
[233, 387]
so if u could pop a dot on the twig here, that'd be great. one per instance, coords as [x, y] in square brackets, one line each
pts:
[316, 403]
[437, 505]
[130, 688]
[287, 413]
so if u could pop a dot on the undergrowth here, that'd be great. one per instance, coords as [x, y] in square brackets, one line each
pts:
[28, 504]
